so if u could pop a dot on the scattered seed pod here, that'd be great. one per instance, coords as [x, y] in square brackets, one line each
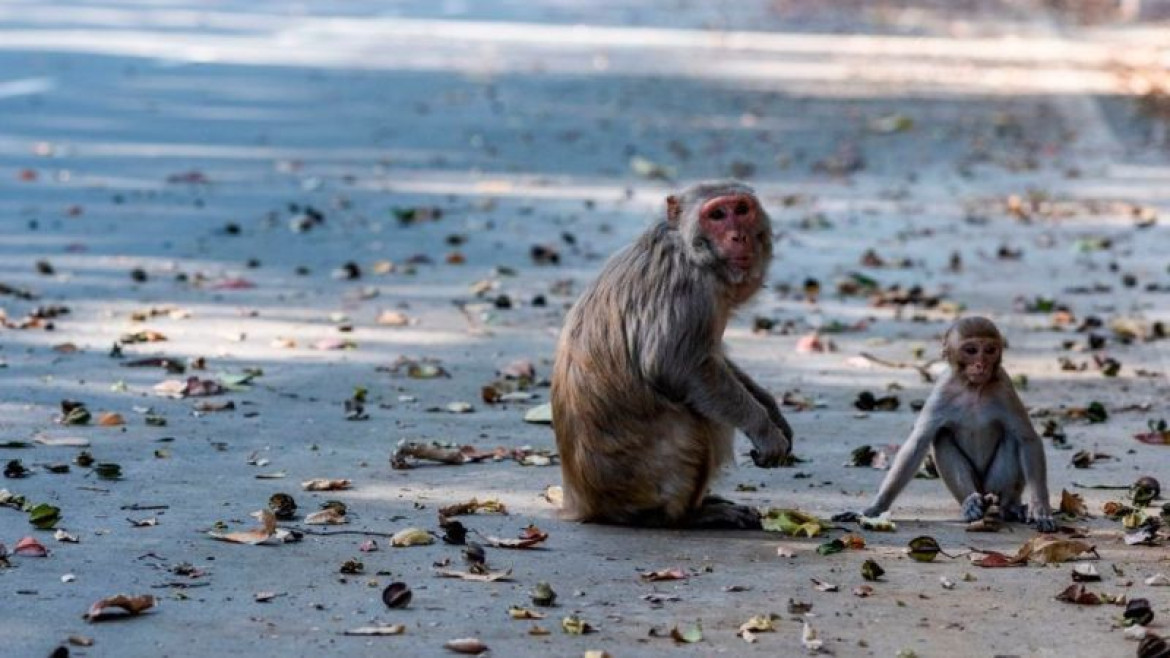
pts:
[862, 456]
[924, 549]
[283, 506]
[84, 459]
[15, 469]
[870, 570]
[474, 553]
[108, 471]
[352, 566]
[1138, 612]
[454, 532]
[1145, 490]
[543, 595]
[336, 506]
[1153, 646]
[396, 595]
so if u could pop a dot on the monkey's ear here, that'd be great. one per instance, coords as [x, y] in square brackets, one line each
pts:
[673, 209]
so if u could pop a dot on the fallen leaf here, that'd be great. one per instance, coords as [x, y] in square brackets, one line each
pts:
[412, 537]
[791, 522]
[63, 442]
[110, 419]
[516, 612]
[324, 484]
[30, 547]
[132, 605]
[1073, 505]
[265, 534]
[474, 506]
[328, 516]
[1078, 594]
[529, 537]
[664, 574]
[862, 591]
[488, 577]
[1047, 551]
[822, 586]
[466, 645]
[809, 638]
[1158, 580]
[689, 635]
[389, 629]
[540, 415]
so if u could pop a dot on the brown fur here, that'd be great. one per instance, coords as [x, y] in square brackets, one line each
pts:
[644, 400]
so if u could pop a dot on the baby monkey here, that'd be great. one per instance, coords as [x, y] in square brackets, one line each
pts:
[983, 443]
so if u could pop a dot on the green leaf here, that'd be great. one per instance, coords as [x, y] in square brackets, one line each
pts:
[44, 516]
[793, 523]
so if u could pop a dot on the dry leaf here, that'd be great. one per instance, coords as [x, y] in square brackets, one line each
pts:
[529, 538]
[412, 537]
[809, 638]
[62, 442]
[467, 645]
[393, 319]
[389, 629]
[329, 516]
[30, 547]
[822, 586]
[489, 577]
[132, 605]
[265, 534]
[474, 506]
[516, 612]
[554, 495]
[110, 419]
[324, 484]
[1073, 505]
[664, 574]
[1046, 550]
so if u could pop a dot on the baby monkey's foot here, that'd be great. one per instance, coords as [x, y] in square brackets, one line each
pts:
[976, 506]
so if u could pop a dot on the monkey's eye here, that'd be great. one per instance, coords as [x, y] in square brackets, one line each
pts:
[970, 350]
[991, 349]
[741, 208]
[716, 215]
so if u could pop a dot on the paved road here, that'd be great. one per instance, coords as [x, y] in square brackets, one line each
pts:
[187, 140]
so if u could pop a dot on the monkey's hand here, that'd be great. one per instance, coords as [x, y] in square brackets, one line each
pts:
[1041, 515]
[771, 447]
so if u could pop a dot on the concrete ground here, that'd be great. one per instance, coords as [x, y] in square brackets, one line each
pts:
[186, 140]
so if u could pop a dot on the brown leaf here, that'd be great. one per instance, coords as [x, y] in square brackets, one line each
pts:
[325, 484]
[664, 574]
[263, 534]
[110, 419]
[467, 645]
[489, 577]
[1076, 593]
[529, 537]
[1073, 505]
[389, 629]
[133, 605]
[993, 559]
[474, 506]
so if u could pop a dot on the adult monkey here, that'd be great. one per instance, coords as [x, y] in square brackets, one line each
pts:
[645, 402]
[985, 448]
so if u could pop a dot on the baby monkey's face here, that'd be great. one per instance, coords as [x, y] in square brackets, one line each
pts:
[977, 359]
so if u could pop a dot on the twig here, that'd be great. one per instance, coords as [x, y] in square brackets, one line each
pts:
[923, 369]
[142, 508]
[326, 533]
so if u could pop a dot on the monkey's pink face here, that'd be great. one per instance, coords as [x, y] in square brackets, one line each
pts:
[732, 223]
[977, 359]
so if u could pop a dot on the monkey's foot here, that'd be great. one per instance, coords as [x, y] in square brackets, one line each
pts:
[725, 515]
[1017, 513]
[976, 505]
